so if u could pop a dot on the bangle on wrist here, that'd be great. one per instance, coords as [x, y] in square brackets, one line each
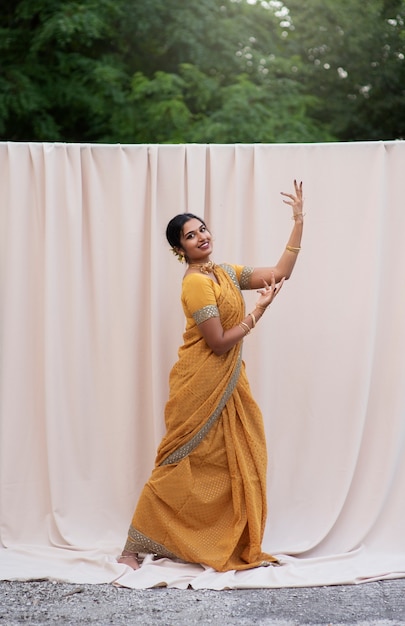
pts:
[261, 307]
[293, 249]
[295, 215]
[253, 320]
[244, 327]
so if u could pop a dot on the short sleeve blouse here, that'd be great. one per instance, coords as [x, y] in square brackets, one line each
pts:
[200, 293]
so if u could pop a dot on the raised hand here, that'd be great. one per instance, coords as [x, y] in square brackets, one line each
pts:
[296, 201]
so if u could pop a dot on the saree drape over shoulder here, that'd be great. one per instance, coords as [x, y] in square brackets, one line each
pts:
[205, 501]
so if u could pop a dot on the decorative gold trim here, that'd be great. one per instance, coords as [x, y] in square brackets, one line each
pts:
[232, 274]
[244, 282]
[245, 277]
[138, 542]
[188, 447]
[211, 310]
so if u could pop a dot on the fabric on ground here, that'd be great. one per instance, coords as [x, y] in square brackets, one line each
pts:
[91, 323]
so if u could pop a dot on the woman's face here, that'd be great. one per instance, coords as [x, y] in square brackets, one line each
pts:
[196, 241]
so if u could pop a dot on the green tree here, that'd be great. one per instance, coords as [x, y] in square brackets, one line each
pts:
[354, 63]
[59, 73]
[194, 107]
[205, 70]
[215, 73]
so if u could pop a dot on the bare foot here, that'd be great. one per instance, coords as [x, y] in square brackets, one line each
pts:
[129, 559]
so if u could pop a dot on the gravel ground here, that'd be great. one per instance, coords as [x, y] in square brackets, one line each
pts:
[44, 602]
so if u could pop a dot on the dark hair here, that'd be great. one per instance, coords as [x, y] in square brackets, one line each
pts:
[175, 228]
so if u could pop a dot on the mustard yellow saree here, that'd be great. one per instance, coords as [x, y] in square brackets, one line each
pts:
[205, 501]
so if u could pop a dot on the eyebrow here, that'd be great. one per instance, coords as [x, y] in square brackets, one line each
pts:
[193, 231]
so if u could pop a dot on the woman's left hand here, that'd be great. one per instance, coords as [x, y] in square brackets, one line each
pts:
[295, 201]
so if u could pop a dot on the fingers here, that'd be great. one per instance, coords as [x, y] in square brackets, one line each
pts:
[297, 196]
[267, 287]
[264, 290]
[277, 288]
[270, 290]
[280, 284]
[298, 187]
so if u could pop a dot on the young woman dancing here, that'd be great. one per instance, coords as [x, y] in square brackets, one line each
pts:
[205, 501]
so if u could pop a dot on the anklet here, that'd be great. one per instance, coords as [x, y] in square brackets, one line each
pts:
[128, 556]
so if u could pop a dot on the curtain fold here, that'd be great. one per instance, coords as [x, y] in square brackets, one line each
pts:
[91, 321]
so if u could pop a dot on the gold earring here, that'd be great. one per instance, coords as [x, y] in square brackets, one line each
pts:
[178, 255]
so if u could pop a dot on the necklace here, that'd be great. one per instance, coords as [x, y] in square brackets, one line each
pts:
[205, 268]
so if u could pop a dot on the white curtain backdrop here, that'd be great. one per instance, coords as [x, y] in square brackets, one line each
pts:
[91, 322]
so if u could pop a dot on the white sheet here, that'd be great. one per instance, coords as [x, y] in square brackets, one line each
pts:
[91, 322]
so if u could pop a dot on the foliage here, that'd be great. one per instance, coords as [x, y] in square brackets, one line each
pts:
[57, 77]
[354, 59]
[165, 71]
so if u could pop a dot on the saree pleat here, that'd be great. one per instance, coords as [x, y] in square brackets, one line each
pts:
[205, 501]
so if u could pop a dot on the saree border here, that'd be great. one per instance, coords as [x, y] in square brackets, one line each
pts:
[244, 280]
[232, 274]
[138, 542]
[188, 447]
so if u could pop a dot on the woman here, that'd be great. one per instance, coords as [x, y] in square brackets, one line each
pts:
[205, 501]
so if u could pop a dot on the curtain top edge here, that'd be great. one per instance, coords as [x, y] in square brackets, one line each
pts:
[167, 145]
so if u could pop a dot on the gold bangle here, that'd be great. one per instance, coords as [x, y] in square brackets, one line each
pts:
[293, 217]
[246, 329]
[293, 249]
[261, 307]
[253, 320]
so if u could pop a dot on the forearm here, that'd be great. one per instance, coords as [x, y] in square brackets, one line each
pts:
[289, 256]
[287, 261]
[221, 341]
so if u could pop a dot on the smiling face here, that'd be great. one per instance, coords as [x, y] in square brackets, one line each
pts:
[196, 241]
